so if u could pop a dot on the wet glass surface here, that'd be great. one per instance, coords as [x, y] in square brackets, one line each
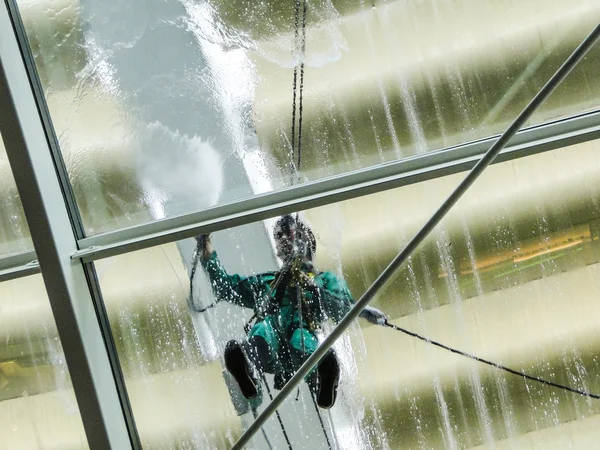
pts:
[37, 404]
[167, 107]
[510, 276]
[14, 233]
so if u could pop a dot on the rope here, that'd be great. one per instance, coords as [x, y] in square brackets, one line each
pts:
[287, 439]
[321, 421]
[491, 363]
[296, 160]
[255, 415]
[303, 51]
[299, 44]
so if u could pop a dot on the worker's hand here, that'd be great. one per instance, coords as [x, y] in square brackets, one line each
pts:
[204, 246]
[373, 315]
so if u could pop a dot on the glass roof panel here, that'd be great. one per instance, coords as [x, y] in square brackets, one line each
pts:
[14, 232]
[188, 105]
[37, 402]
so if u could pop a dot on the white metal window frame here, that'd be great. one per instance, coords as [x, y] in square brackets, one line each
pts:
[66, 256]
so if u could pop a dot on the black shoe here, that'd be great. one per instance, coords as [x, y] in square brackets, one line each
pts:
[239, 367]
[328, 377]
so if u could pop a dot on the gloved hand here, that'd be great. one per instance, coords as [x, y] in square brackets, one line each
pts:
[373, 315]
[204, 246]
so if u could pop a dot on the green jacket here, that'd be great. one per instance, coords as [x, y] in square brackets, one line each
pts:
[333, 300]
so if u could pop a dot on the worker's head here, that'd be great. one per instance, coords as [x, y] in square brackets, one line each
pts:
[293, 235]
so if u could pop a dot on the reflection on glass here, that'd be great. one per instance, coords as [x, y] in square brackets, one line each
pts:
[14, 233]
[37, 404]
[510, 276]
[190, 104]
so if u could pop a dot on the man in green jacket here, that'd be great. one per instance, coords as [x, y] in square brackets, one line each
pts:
[289, 305]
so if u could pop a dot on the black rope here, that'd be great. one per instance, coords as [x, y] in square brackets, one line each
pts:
[321, 421]
[287, 439]
[292, 156]
[298, 160]
[491, 363]
[299, 44]
[296, 168]
[302, 52]
[255, 415]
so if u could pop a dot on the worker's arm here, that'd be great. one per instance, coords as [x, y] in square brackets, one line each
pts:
[337, 300]
[236, 289]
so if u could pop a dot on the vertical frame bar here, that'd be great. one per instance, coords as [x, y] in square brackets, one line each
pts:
[55, 226]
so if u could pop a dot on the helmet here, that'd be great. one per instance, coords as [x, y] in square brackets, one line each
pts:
[295, 228]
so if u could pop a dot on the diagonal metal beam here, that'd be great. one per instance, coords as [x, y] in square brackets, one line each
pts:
[350, 185]
[435, 219]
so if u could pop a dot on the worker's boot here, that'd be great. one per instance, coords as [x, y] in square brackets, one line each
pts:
[241, 369]
[327, 379]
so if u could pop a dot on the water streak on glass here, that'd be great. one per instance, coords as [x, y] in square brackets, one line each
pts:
[37, 403]
[14, 233]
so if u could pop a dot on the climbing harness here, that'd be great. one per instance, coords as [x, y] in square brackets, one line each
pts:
[491, 363]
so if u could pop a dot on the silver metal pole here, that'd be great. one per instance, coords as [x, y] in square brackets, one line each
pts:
[485, 161]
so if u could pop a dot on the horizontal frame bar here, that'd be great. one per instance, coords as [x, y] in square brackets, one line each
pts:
[16, 259]
[20, 271]
[350, 185]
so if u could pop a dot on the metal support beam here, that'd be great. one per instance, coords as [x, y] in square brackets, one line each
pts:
[338, 188]
[23, 124]
[435, 219]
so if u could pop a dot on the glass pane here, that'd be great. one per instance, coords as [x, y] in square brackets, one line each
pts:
[14, 233]
[510, 276]
[37, 404]
[166, 107]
